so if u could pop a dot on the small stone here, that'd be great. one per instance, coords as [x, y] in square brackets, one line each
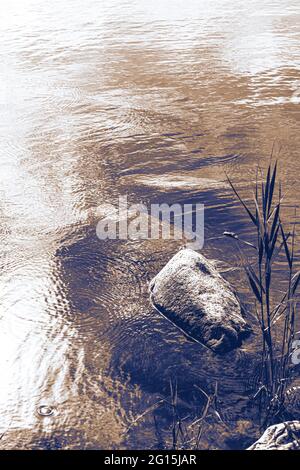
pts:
[283, 436]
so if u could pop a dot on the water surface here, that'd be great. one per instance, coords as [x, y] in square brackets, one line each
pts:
[155, 100]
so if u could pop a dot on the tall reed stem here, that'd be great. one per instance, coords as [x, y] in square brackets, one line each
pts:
[271, 240]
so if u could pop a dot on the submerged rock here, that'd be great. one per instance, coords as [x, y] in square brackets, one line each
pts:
[292, 400]
[191, 293]
[283, 436]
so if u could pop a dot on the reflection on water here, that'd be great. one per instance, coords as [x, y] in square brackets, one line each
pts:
[149, 99]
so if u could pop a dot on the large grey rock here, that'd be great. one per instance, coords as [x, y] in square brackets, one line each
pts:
[191, 293]
[283, 436]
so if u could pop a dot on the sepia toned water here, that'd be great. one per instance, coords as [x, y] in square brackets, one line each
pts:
[153, 100]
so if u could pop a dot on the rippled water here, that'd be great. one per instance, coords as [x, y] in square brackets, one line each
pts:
[154, 100]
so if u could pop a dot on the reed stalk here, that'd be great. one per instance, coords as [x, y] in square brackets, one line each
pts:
[272, 242]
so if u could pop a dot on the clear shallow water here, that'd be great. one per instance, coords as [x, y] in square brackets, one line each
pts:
[102, 98]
